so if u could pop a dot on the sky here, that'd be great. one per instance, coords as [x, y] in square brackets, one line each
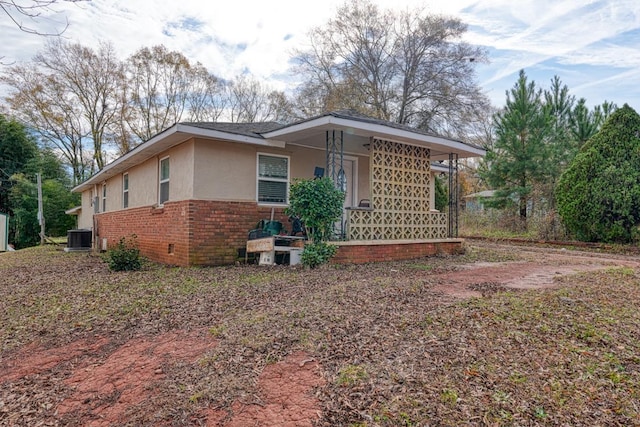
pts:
[593, 46]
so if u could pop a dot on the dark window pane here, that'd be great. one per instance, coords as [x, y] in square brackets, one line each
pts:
[164, 192]
[273, 167]
[272, 192]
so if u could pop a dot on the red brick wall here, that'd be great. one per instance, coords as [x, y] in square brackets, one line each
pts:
[360, 254]
[205, 232]
[200, 232]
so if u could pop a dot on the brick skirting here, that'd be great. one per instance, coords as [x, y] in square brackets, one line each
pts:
[191, 232]
[204, 232]
[360, 252]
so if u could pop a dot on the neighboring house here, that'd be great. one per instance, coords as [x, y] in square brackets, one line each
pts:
[475, 202]
[192, 193]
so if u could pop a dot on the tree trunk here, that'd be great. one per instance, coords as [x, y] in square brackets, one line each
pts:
[523, 208]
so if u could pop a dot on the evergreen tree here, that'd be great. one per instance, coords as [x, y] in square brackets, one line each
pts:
[17, 148]
[520, 156]
[559, 104]
[598, 196]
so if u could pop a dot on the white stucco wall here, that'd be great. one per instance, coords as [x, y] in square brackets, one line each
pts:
[207, 170]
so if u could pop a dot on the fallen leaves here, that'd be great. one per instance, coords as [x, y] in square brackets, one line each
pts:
[391, 341]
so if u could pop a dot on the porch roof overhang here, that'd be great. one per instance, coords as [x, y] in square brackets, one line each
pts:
[165, 140]
[358, 130]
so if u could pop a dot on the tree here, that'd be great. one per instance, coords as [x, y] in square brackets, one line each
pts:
[158, 84]
[32, 10]
[206, 98]
[406, 67]
[69, 94]
[559, 104]
[442, 195]
[519, 157]
[163, 87]
[17, 149]
[40, 101]
[249, 100]
[598, 196]
[24, 228]
[318, 204]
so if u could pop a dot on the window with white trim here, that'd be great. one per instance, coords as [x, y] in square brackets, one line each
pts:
[273, 179]
[164, 181]
[125, 190]
[104, 197]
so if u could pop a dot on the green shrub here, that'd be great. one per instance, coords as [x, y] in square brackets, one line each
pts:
[598, 195]
[125, 256]
[318, 204]
[317, 253]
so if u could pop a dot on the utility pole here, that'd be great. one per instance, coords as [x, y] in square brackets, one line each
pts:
[40, 212]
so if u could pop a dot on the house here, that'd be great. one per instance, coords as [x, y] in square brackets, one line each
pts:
[191, 193]
[475, 202]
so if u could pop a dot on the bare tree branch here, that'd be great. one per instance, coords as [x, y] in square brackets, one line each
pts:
[32, 10]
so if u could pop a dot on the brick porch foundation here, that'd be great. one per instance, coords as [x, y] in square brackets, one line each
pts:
[362, 251]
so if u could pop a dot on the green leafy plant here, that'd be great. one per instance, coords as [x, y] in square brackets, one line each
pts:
[125, 256]
[317, 253]
[318, 204]
[351, 375]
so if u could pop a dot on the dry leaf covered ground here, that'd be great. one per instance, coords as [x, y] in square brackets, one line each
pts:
[502, 335]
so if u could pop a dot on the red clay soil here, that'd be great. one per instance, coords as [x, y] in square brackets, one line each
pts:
[539, 274]
[285, 394]
[106, 386]
[32, 359]
[109, 380]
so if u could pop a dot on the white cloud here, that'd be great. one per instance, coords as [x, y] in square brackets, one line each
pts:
[233, 37]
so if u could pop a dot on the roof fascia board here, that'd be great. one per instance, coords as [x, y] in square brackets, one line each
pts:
[189, 132]
[377, 129]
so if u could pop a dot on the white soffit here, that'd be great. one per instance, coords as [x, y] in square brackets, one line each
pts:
[349, 126]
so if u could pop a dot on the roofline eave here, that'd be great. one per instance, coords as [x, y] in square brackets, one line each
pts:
[382, 131]
[145, 150]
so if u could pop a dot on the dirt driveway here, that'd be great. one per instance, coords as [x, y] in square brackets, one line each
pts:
[101, 381]
[537, 268]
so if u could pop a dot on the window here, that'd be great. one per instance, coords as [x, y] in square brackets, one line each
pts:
[125, 190]
[164, 180]
[104, 197]
[273, 179]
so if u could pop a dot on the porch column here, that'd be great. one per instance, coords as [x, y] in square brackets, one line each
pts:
[335, 156]
[335, 170]
[453, 195]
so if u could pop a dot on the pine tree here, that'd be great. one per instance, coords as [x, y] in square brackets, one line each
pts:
[519, 158]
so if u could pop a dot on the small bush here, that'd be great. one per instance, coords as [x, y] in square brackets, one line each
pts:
[125, 256]
[317, 253]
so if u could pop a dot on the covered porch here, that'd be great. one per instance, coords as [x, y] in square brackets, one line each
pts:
[393, 215]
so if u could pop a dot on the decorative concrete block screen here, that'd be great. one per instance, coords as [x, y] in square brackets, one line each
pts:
[399, 175]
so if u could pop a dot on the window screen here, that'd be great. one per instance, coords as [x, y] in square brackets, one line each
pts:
[104, 197]
[164, 180]
[273, 179]
[125, 190]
